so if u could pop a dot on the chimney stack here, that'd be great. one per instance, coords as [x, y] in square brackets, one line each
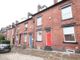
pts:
[29, 15]
[40, 8]
[17, 22]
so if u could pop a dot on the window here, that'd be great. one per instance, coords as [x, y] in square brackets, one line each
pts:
[39, 21]
[59, 0]
[26, 26]
[17, 38]
[39, 35]
[25, 37]
[69, 34]
[18, 29]
[12, 32]
[66, 12]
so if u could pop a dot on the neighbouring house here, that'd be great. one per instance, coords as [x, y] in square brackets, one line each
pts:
[24, 33]
[8, 32]
[56, 27]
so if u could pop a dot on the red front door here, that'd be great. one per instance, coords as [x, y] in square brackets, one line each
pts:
[48, 41]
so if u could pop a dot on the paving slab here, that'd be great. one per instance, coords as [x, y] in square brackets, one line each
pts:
[18, 56]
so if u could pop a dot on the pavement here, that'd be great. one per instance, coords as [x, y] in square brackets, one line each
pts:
[35, 54]
[18, 56]
[48, 55]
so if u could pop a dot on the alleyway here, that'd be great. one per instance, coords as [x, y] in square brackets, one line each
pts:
[17, 56]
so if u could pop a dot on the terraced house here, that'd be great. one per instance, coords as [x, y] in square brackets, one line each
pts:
[56, 27]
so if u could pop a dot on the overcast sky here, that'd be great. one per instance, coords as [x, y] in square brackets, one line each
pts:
[11, 10]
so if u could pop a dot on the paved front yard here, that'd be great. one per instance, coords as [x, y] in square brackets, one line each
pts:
[18, 56]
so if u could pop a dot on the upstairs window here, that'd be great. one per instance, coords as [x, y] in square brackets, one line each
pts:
[39, 21]
[69, 35]
[59, 0]
[26, 26]
[66, 12]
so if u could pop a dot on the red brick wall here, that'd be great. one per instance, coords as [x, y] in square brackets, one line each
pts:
[58, 31]
[55, 23]
[76, 19]
[52, 18]
[10, 35]
[20, 29]
[30, 30]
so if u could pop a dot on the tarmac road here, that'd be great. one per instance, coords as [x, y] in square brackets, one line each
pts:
[18, 56]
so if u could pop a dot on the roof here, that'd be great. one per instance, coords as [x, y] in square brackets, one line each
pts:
[50, 7]
[24, 21]
[43, 11]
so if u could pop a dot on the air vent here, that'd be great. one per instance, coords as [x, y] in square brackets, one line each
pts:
[70, 51]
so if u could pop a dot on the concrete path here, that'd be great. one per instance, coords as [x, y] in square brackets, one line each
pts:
[17, 56]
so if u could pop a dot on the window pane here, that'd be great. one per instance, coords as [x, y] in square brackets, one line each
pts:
[69, 33]
[25, 37]
[26, 25]
[67, 12]
[39, 36]
[68, 30]
[69, 37]
[59, 0]
[39, 21]
[17, 38]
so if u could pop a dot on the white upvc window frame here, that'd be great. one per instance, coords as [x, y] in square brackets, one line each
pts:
[39, 20]
[70, 33]
[39, 35]
[25, 37]
[66, 12]
[17, 38]
[59, 0]
[26, 25]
